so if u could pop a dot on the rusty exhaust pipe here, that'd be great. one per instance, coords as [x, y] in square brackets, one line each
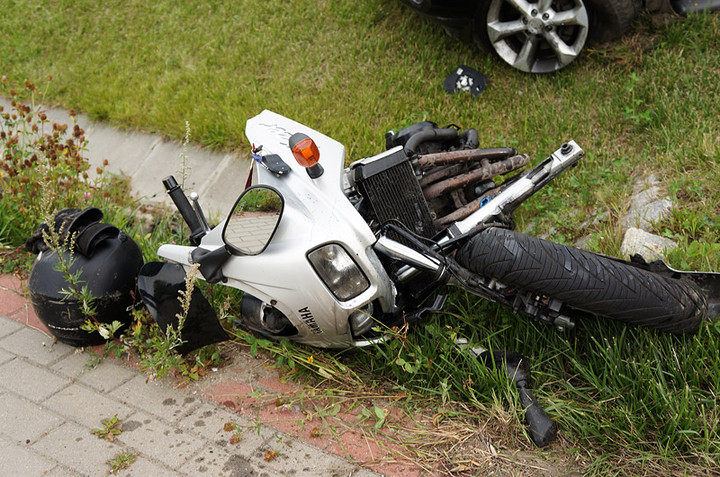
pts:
[429, 161]
[477, 175]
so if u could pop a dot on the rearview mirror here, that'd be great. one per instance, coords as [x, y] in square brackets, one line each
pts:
[253, 221]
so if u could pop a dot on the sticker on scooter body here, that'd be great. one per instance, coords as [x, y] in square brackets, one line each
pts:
[309, 320]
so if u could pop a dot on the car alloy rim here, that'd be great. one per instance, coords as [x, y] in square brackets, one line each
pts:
[537, 36]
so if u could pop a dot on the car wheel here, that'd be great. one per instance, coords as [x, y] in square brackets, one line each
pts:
[542, 36]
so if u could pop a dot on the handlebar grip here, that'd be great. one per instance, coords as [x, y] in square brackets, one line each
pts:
[183, 205]
[542, 428]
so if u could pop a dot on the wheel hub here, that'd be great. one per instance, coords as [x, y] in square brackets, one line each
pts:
[536, 26]
[537, 36]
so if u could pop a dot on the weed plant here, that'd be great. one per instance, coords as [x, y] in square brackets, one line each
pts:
[43, 169]
[122, 460]
[110, 429]
[27, 139]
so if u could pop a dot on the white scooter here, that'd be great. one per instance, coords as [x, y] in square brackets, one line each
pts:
[330, 256]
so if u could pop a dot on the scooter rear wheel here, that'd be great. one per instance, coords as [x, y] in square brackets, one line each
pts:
[585, 281]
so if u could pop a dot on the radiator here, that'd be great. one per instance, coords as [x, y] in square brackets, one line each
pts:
[388, 183]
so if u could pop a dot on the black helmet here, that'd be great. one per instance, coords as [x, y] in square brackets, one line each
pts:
[109, 262]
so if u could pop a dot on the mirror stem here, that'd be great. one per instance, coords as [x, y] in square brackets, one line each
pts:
[199, 212]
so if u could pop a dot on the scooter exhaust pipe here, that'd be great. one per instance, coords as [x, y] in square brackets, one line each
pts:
[428, 161]
[477, 175]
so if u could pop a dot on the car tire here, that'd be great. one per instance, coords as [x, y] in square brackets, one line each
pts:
[609, 19]
[551, 33]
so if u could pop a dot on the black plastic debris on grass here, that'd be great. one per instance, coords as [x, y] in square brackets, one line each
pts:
[464, 78]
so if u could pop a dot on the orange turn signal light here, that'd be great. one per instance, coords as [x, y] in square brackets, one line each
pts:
[304, 149]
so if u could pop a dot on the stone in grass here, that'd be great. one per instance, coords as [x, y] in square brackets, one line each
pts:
[647, 204]
[650, 247]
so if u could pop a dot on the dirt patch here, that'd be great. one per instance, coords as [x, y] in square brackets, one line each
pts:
[422, 439]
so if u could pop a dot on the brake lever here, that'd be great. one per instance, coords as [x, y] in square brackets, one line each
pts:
[543, 430]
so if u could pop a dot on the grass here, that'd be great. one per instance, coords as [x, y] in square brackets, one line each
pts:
[628, 401]
[121, 460]
[353, 72]
[111, 428]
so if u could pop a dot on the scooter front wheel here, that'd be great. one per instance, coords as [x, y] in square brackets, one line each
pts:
[585, 281]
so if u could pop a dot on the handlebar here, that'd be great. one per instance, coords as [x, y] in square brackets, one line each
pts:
[177, 195]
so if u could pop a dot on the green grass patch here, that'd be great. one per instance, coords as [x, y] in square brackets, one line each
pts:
[628, 401]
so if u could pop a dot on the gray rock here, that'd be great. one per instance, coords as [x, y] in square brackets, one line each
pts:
[643, 216]
[650, 247]
[649, 204]
[583, 243]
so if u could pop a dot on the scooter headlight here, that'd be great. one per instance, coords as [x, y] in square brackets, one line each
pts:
[339, 271]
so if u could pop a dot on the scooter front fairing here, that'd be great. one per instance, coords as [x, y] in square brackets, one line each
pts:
[316, 213]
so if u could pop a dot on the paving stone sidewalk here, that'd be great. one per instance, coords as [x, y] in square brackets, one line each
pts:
[51, 398]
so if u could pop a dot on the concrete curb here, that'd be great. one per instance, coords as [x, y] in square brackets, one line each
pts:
[146, 159]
